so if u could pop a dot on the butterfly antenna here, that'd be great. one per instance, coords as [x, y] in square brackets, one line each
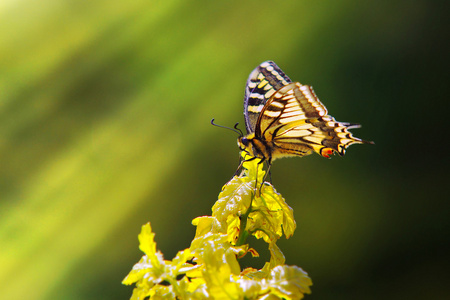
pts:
[235, 129]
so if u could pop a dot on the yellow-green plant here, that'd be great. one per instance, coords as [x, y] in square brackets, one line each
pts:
[209, 268]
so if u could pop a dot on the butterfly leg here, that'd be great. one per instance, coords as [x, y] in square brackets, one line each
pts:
[238, 169]
[268, 172]
[240, 166]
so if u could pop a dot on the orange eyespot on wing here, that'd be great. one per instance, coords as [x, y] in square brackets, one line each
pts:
[326, 152]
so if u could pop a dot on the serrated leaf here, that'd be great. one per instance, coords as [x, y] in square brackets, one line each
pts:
[218, 274]
[234, 199]
[151, 266]
[289, 282]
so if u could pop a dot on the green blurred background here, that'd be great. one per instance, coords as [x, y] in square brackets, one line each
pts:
[104, 125]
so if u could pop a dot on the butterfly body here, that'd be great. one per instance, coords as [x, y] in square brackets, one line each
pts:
[285, 118]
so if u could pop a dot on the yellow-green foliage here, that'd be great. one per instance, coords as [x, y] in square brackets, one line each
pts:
[209, 268]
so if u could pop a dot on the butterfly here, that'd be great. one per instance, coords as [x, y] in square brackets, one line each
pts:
[285, 118]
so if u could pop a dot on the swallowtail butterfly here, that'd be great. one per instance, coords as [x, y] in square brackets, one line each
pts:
[285, 118]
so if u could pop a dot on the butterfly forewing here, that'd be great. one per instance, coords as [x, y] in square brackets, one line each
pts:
[262, 83]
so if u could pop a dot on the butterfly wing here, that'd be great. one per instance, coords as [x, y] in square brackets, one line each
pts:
[294, 123]
[262, 83]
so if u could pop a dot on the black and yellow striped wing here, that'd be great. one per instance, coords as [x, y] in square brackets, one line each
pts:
[262, 83]
[285, 118]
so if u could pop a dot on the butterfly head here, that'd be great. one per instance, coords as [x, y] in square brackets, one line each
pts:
[255, 147]
[244, 143]
[247, 144]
